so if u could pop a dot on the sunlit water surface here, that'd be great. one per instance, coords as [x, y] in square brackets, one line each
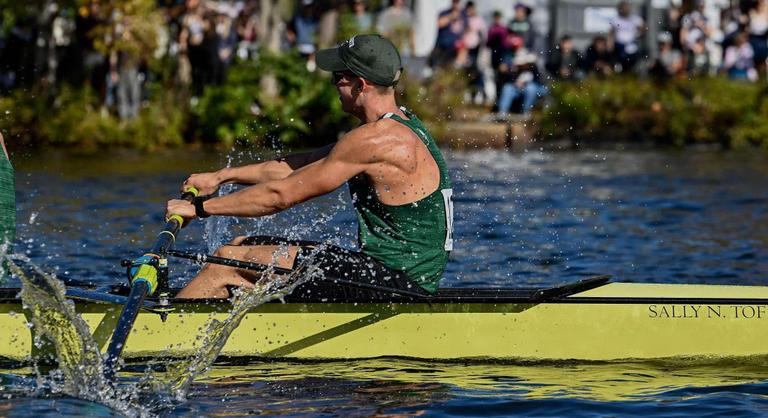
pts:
[521, 220]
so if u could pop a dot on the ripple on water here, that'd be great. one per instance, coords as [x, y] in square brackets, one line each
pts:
[521, 220]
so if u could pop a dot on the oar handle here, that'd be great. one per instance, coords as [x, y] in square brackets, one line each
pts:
[145, 268]
[189, 195]
[143, 274]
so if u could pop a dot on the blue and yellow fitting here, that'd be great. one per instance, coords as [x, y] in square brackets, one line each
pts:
[144, 270]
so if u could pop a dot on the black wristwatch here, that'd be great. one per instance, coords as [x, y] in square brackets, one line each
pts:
[199, 210]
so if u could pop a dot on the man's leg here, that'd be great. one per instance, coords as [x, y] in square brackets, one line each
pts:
[213, 279]
[508, 94]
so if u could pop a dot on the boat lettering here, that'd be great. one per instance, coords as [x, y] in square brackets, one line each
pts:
[748, 311]
[708, 311]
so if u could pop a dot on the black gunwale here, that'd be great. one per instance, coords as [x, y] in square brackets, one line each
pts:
[556, 295]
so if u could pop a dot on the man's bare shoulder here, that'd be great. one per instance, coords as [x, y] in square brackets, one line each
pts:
[377, 140]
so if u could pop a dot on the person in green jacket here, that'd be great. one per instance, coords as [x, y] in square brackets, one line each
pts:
[7, 207]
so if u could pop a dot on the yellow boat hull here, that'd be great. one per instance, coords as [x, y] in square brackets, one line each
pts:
[612, 322]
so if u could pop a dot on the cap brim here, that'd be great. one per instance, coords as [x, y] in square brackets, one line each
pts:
[330, 60]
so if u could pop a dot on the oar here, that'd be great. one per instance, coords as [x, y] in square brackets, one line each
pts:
[144, 281]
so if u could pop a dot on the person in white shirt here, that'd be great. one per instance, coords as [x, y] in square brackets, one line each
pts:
[626, 30]
[396, 23]
[739, 62]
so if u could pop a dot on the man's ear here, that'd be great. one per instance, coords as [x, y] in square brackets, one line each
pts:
[360, 84]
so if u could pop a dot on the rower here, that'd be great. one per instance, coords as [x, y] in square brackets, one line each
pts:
[397, 178]
[7, 207]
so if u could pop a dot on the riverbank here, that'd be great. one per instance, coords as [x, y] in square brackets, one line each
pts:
[305, 112]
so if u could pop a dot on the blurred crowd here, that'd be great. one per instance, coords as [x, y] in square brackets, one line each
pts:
[101, 46]
[505, 63]
[688, 45]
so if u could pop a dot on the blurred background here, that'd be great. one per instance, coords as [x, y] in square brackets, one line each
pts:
[156, 73]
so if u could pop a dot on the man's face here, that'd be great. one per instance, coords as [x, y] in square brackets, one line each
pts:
[347, 84]
[601, 44]
[624, 9]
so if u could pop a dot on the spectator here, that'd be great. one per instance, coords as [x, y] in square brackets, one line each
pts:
[472, 40]
[193, 28]
[396, 24]
[669, 61]
[498, 43]
[210, 71]
[363, 19]
[521, 25]
[527, 83]
[124, 65]
[695, 26]
[227, 42]
[564, 63]
[248, 32]
[62, 34]
[739, 61]
[302, 31]
[758, 34]
[672, 23]
[733, 20]
[450, 28]
[497, 39]
[626, 29]
[598, 59]
[697, 60]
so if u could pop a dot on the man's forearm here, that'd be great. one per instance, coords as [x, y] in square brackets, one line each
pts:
[258, 200]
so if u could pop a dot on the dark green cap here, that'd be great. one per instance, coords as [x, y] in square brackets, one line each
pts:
[372, 57]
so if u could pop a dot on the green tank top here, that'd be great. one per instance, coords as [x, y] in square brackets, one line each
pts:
[414, 238]
[7, 210]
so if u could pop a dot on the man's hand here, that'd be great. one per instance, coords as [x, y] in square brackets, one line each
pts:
[182, 208]
[205, 183]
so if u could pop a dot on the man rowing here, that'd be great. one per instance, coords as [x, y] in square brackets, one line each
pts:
[7, 207]
[397, 177]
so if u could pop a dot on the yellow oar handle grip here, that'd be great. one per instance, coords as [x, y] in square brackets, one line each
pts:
[190, 193]
[176, 218]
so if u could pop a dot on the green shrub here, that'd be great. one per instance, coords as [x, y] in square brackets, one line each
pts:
[305, 111]
[704, 110]
[76, 117]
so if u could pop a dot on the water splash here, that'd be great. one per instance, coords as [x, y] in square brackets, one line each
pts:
[180, 376]
[54, 320]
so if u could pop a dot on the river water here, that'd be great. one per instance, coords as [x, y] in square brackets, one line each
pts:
[521, 220]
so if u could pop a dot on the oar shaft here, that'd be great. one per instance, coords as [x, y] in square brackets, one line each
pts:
[143, 283]
[124, 326]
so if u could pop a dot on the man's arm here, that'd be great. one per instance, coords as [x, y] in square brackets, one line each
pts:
[208, 183]
[350, 156]
[446, 18]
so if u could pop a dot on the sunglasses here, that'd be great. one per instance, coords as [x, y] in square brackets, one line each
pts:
[340, 75]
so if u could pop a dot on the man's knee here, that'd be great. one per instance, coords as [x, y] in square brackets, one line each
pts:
[238, 240]
[225, 250]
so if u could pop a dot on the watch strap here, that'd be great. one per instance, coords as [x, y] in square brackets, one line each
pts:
[199, 209]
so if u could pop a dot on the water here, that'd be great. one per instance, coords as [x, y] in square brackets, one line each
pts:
[534, 218]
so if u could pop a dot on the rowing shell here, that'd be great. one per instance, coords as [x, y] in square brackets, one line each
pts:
[591, 320]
